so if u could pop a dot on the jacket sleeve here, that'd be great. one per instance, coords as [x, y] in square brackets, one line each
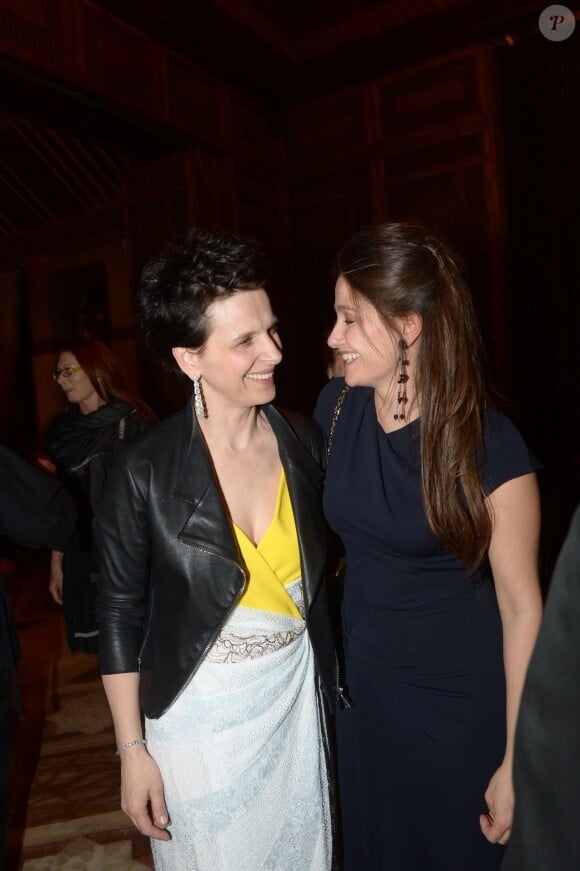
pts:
[547, 785]
[123, 546]
[35, 509]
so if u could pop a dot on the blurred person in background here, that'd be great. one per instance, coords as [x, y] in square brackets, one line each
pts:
[35, 511]
[546, 834]
[81, 443]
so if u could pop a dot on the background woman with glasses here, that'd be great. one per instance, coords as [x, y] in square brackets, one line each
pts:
[81, 443]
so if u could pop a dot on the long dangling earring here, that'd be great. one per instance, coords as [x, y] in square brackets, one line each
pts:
[402, 381]
[198, 397]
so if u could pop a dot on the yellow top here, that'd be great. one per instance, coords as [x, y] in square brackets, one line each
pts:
[274, 562]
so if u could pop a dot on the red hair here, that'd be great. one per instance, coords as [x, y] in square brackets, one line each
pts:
[105, 372]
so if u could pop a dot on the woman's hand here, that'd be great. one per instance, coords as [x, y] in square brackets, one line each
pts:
[142, 796]
[55, 583]
[497, 823]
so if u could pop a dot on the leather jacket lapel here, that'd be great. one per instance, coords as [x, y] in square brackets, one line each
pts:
[305, 479]
[208, 527]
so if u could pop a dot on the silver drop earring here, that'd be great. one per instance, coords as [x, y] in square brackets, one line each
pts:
[402, 381]
[198, 397]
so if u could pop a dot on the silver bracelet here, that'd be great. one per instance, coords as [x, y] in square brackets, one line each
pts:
[131, 744]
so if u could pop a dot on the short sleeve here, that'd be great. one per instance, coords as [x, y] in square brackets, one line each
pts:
[506, 454]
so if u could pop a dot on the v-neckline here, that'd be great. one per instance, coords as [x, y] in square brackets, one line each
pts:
[276, 514]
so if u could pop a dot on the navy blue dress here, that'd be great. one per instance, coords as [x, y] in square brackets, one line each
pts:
[422, 649]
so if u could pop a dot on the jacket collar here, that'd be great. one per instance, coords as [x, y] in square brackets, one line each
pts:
[209, 526]
[305, 480]
[298, 463]
[198, 473]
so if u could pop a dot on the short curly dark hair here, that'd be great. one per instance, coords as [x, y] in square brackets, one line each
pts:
[177, 287]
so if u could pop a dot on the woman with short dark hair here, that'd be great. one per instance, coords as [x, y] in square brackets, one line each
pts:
[212, 607]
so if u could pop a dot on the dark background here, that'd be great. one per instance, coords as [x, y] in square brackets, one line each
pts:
[123, 122]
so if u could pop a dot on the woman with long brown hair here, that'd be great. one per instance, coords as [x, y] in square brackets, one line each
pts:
[81, 442]
[434, 495]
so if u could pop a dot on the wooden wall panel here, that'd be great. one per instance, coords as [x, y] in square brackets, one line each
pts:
[437, 140]
[259, 158]
[419, 144]
[33, 31]
[72, 290]
[446, 147]
[99, 53]
[195, 101]
[213, 192]
[439, 145]
[421, 137]
[330, 207]
[452, 197]
[429, 97]
[257, 139]
[166, 196]
[263, 211]
[120, 62]
[439, 199]
[157, 206]
[151, 227]
[324, 211]
[156, 177]
[330, 133]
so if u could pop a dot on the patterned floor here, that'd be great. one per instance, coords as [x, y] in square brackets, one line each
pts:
[63, 800]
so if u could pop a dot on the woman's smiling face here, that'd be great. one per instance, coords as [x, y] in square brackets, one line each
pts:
[240, 355]
[367, 347]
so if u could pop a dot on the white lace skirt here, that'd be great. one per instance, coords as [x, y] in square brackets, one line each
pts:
[243, 758]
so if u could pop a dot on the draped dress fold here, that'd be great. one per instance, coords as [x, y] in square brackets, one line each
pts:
[241, 751]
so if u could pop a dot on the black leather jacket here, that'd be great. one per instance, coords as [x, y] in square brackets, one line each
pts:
[171, 570]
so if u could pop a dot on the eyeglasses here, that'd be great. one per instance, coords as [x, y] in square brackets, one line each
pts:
[66, 372]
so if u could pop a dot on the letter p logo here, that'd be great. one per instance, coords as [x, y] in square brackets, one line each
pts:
[557, 23]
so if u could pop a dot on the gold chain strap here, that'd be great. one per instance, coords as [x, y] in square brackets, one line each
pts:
[335, 413]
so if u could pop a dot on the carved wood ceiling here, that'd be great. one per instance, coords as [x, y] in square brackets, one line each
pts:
[293, 49]
[63, 154]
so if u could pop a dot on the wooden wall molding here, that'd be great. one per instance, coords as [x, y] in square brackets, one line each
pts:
[35, 31]
[365, 23]
[99, 54]
[418, 144]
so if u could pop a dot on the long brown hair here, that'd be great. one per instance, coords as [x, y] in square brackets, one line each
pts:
[404, 268]
[105, 372]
